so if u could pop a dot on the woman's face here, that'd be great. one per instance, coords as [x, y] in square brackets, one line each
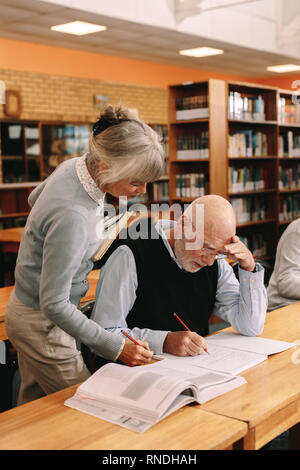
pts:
[124, 188]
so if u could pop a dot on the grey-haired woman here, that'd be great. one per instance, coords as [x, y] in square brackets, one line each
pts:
[43, 320]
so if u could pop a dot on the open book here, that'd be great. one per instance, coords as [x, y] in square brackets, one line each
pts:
[136, 398]
[230, 353]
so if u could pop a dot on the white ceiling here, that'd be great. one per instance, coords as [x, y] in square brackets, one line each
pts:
[30, 20]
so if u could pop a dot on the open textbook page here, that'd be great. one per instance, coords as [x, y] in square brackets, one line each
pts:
[254, 344]
[219, 359]
[137, 398]
[231, 353]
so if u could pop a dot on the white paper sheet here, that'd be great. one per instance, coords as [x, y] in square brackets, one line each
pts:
[248, 343]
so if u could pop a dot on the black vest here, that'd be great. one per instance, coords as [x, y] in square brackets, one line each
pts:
[164, 289]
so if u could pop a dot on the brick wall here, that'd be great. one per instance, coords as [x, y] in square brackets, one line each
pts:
[51, 97]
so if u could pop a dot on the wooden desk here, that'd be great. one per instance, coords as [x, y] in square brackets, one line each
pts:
[6, 291]
[10, 239]
[270, 401]
[46, 424]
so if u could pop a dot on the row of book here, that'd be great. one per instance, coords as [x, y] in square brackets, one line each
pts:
[246, 179]
[161, 191]
[250, 209]
[246, 108]
[192, 146]
[162, 131]
[289, 208]
[192, 107]
[191, 185]
[289, 145]
[289, 178]
[256, 244]
[247, 144]
[288, 112]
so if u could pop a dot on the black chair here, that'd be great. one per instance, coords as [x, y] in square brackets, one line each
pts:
[265, 264]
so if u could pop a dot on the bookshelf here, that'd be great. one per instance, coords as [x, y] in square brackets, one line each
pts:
[251, 155]
[197, 140]
[289, 158]
[29, 152]
[253, 167]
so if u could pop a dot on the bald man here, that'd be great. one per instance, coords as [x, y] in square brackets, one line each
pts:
[181, 269]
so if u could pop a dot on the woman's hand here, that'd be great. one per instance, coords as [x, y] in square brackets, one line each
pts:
[133, 355]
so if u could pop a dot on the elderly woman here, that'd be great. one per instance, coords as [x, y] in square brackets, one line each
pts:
[60, 238]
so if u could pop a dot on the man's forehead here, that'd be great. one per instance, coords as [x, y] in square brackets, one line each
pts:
[217, 243]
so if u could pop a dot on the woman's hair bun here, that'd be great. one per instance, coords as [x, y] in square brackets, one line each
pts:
[111, 116]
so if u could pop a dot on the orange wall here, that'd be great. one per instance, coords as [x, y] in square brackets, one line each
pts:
[38, 58]
[281, 82]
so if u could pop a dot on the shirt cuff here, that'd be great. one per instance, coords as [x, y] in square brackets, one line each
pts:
[120, 350]
[256, 278]
[156, 339]
[110, 346]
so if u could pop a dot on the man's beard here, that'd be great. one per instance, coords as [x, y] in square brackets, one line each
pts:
[187, 264]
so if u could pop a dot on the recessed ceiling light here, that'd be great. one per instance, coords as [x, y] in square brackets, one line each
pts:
[201, 52]
[79, 28]
[284, 68]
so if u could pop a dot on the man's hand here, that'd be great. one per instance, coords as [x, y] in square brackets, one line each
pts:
[238, 251]
[133, 355]
[184, 343]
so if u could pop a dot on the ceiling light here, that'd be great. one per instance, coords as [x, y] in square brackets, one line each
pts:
[79, 28]
[284, 68]
[201, 52]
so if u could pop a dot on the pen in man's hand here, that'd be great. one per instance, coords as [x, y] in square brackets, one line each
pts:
[187, 329]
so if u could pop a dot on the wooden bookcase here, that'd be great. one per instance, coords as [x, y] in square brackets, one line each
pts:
[289, 158]
[29, 152]
[207, 132]
[253, 144]
[158, 192]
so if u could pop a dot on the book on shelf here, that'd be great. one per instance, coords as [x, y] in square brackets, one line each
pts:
[162, 131]
[246, 108]
[33, 150]
[161, 191]
[288, 112]
[289, 208]
[190, 185]
[289, 178]
[32, 132]
[250, 209]
[192, 107]
[246, 179]
[192, 146]
[288, 145]
[138, 397]
[247, 143]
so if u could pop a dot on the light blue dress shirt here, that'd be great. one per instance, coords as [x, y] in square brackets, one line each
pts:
[243, 304]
